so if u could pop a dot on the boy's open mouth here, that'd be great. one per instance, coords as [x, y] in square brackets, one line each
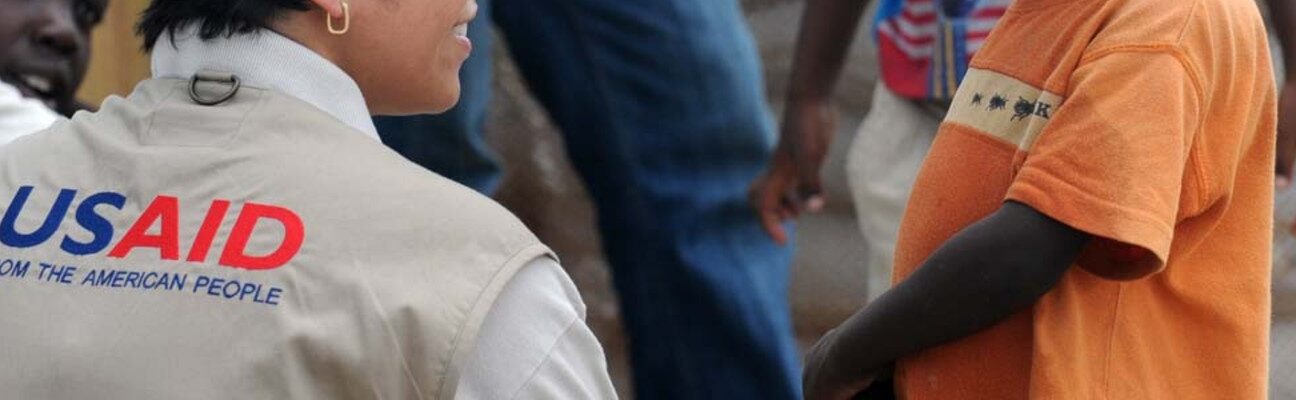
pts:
[46, 87]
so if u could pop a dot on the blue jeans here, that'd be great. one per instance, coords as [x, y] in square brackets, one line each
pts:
[663, 113]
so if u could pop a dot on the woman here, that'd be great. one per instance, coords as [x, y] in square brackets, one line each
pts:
[234, 229]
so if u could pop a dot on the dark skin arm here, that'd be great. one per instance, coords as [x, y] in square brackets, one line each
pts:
[791, 184]
[987, 272]
[1283, 14]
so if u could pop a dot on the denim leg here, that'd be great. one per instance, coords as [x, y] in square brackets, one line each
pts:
[451, 144]
[663, 112]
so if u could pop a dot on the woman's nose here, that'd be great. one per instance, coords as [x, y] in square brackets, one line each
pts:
[57, 28]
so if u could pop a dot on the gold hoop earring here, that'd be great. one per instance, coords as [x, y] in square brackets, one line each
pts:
[346, 20]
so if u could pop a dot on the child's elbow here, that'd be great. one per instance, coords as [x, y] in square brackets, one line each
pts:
[1023, 280]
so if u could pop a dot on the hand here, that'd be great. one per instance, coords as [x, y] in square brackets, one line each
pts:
[822, 380]
[791, 185]
[1286, 145]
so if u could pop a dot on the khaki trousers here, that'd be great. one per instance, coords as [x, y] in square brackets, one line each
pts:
[883, 160]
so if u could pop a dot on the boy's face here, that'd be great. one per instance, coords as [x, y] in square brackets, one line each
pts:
[45, 47]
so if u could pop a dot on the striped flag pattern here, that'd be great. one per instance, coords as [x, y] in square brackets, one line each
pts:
[925, 45]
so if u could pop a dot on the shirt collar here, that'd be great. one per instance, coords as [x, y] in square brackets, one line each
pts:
[271, 61]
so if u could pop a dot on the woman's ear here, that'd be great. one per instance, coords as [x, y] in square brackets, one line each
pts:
[332, 7]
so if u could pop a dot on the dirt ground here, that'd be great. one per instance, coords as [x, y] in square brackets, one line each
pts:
[828, 282]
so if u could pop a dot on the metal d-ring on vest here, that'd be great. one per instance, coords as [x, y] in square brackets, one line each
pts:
[217, 77]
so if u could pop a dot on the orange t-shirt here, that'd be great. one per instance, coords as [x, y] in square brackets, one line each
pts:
[1150, 125]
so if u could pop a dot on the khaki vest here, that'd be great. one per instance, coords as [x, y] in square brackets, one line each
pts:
[256, 249]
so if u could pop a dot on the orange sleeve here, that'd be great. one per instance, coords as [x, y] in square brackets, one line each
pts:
[1112, 160]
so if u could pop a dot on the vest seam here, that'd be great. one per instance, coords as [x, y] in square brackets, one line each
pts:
[152, 116]
[476, 315]
[390, 332]
[262, 99]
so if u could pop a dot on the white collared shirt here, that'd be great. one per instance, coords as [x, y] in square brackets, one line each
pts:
[534, 342]
[21, 116]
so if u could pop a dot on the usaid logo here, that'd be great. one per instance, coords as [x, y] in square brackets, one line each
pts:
[163, 212]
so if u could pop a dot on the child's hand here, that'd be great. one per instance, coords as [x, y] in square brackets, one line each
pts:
[791, 184]
[823, 380]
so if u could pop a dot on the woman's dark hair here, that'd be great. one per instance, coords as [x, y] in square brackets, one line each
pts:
[214, 17]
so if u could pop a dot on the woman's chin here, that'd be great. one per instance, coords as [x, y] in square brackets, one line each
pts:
[441, 103]
[445, 99]
[437, 109]
[424, 102]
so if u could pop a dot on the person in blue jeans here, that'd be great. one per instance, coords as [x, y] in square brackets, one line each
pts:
[663, 112]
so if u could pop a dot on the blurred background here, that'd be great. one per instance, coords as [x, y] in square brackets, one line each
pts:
[539, 185]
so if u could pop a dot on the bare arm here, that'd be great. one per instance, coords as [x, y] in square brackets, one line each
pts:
[994, 268]
[791, 184]
[827, 28]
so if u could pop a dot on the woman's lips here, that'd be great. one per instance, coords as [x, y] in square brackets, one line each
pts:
[461, 28]
[461, 35]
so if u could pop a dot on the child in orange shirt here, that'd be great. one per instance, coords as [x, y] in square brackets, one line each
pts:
[1093, 219]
